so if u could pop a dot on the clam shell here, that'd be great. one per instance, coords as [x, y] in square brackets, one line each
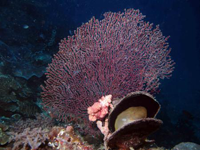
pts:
[133, 134]
[132, 100]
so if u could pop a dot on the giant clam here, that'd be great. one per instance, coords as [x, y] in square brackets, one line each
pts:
[132, 120]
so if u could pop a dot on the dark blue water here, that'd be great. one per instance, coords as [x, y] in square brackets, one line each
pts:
[30, 31]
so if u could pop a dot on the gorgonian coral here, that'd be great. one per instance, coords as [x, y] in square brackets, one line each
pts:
[117, 55]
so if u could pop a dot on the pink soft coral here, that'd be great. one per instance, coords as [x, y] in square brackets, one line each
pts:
[100, 109]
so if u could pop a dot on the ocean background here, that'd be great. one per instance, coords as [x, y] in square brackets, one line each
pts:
[30, 31]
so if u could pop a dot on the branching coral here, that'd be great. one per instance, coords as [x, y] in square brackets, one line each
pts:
[29, 138]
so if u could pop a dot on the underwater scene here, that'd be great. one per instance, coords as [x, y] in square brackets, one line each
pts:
[99, 75]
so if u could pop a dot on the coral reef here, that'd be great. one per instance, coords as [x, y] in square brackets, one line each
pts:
[8, 88]
[4, 137]
[57, 137]
[29, 138]
[66, 139]
[117, 55]
[30, 31]
[186, 146]
[16, 98]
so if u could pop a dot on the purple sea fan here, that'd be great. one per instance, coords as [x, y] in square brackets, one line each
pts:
[117, 55]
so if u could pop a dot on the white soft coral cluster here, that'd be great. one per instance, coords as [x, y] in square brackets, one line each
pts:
[29, 138]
